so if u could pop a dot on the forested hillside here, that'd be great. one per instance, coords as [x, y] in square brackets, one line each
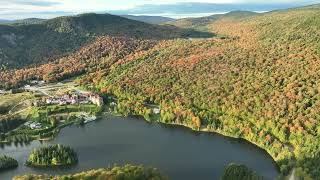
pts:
[22, 45]
[260, 82]
[203, 22]
[103, 52]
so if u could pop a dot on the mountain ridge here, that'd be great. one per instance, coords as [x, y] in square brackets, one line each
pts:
[204, 21]
[22, 44]
[149, 19]
[22, 21]
[194, 7]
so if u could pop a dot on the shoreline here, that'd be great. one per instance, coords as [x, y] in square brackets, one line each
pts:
[201, 130]
[174, 125]
[206, 130]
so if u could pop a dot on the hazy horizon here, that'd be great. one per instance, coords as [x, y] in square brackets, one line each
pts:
[22, 9]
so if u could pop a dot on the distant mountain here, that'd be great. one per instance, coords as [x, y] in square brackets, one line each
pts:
[23, 44]
[204, 21]
[22, 21]
[189, 8]
[149, 19]
[3, 21]
[28, 21]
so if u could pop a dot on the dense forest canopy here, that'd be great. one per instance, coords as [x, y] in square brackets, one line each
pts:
[25, 44]
[127, 172]
[260, 83]
[239, 172]
[7, 162]
[103, 52]
[130, 172]
[259, 79]
[53, 155]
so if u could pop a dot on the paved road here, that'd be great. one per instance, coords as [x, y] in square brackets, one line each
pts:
[37, 89]
[45, 89]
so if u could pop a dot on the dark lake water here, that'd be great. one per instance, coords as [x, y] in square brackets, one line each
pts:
[178, 152]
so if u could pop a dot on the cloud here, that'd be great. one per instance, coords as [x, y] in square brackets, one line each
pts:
[278, 1]
[19, 9]
[41, 13]
[141, 2]
[30, 3]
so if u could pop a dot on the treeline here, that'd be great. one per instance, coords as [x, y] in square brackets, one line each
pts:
[7, 163]
[53, 155]
[127, 172]
[127, 107]
[239, 172]
[130, 172]
[8, 123]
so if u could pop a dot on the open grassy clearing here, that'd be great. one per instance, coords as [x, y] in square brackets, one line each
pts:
[15, 102]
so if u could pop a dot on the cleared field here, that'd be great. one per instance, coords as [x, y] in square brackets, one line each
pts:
[15, 102]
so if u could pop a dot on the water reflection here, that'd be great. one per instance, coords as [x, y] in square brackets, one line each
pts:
[177, 151]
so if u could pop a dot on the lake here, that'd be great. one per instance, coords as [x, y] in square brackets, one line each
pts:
[177, 151]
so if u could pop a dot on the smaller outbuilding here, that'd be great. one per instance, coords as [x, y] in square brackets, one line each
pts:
[156, 110]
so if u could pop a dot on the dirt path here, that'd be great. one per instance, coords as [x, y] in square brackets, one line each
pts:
[292, 176]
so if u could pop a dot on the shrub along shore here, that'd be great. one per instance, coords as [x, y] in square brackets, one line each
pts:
[7, 163]
[131, 172]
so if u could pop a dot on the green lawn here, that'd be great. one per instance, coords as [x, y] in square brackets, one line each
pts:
[14, 102]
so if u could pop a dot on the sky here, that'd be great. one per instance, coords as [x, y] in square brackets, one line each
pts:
[19, 9]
